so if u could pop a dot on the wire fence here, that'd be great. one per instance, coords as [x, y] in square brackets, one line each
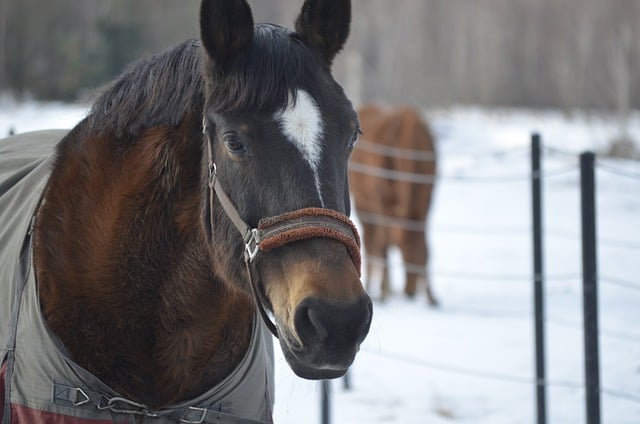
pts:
[415, 178]
[420, 226]
[396, 152]
[491, 375]
[477, 155]
[468, 230]
[604, 332]
[603, 166]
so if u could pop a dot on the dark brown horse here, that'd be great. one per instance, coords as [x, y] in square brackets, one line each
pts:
[205, 175]
[392, 175]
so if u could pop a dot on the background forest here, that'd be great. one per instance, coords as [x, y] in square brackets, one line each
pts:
[568, 54]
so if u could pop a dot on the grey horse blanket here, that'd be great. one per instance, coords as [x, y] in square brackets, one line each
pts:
[39, 382]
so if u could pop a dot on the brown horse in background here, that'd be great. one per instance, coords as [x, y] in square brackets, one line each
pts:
[392, 174]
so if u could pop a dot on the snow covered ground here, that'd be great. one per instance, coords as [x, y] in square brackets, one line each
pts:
[471, 360]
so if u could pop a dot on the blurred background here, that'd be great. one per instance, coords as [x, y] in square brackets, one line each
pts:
[485, 74]
[569, 54]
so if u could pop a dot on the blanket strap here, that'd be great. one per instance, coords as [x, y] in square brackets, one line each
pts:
[70, 395]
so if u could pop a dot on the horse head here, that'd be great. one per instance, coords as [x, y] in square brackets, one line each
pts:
[280, 130]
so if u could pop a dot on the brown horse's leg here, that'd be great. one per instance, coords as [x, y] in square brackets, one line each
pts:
[414, 252]
[431, 299]
[375, 245]
[411, 283]
[377, 268]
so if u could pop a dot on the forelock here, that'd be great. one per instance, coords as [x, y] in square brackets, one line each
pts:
[266, 75]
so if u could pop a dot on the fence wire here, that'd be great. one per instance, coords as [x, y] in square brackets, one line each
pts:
[620, 282]
[602, 241]
[491, 375]
[617, 171]
[430, 156]
[421, 225]
[416, 178]
[494, 277]
[396, 152]
[604, 332]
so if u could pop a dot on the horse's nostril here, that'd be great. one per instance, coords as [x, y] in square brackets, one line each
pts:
[318, 320]
[308, 321]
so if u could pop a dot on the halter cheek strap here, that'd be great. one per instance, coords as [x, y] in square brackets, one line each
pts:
[278, 231]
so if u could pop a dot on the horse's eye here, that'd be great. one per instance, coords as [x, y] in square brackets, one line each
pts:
[233, 143]
[354, 138]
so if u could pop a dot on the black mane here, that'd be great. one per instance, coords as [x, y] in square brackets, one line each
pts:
[159, 90]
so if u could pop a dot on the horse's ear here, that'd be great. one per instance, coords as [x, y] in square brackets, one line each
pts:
[226, 27]
[324, 25]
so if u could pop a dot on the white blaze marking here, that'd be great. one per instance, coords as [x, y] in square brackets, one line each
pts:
[301, 123]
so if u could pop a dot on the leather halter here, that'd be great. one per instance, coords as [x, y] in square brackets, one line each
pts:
[277, 231]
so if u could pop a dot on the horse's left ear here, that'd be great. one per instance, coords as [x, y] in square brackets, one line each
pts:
[324, 25]
[226, 27]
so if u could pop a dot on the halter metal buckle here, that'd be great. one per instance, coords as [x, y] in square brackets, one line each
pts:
[213, 173]
[252, 244]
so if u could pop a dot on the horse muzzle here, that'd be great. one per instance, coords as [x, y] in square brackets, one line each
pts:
[321, 309]
[330, 334]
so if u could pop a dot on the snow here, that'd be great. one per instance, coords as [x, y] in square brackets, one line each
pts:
[21, 117]
[472, 359]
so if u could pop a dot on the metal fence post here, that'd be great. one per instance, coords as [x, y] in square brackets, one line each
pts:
[538, 278]
[325, 402]
[590, 292]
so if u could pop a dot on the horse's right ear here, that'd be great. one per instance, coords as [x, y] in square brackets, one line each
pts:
[226, 27]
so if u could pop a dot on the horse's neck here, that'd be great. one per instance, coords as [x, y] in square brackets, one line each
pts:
[125, 271]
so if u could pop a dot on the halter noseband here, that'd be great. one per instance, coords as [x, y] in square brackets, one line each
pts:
[277, 231]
